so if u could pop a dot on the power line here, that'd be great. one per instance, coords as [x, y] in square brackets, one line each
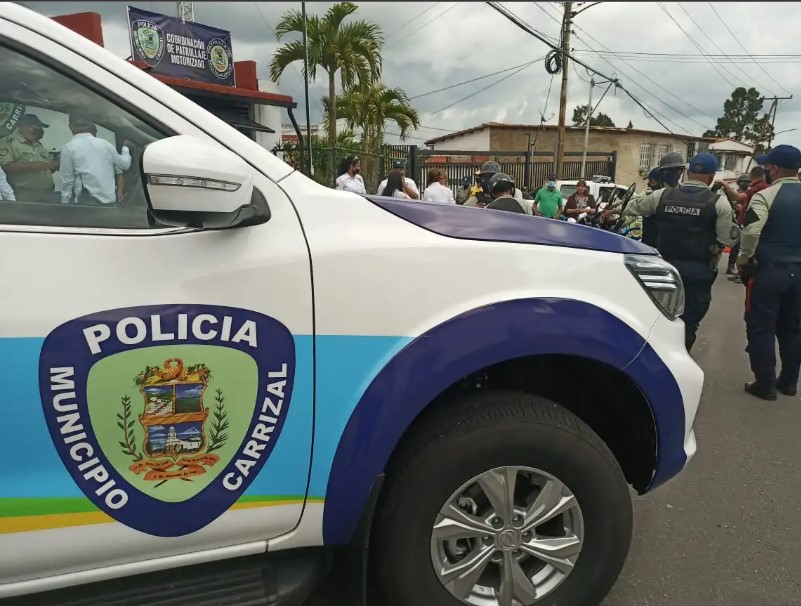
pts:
[530, 30]
[481, 90]
[716, 45]
[425, 25]
[496, 73]
[527, 28]
[412, 19]
[698, 46]
[652, 81]
[740, 44]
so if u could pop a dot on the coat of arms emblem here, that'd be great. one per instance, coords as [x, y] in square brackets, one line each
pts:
[177, 438]
[148, 40]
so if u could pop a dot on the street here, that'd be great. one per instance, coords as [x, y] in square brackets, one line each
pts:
[725, 532]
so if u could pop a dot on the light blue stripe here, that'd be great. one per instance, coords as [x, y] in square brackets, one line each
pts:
[347, 365]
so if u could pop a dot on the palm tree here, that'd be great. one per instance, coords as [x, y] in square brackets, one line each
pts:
[351, 49]
[370, 107]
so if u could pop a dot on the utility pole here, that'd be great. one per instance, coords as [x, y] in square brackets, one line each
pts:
[587, 131]
[774, 106]
[560, 137]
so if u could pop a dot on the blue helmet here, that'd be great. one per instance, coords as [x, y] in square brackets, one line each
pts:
[654, 174]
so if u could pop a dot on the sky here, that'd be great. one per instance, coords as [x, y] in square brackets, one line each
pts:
[433, 45]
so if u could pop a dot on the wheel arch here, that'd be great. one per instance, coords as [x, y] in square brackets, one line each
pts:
[488, 337]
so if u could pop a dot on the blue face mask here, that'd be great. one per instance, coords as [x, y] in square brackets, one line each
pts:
[551, 184]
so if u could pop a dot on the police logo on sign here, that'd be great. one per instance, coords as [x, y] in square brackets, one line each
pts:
[164, 415]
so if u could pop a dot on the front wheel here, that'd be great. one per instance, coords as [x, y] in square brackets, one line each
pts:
[502, 499]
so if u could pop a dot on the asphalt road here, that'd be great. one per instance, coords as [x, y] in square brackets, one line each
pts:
[726, 531]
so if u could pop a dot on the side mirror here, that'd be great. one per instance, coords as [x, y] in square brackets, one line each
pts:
[191, 182]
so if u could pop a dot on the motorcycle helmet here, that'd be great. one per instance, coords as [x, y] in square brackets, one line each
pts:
[490, 168]
[500, 182]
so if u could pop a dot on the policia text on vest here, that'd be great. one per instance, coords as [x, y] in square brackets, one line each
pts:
[694, 224]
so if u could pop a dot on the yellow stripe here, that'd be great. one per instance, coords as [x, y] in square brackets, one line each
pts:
[66, 520]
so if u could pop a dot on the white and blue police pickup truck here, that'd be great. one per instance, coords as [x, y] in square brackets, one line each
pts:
[210, 382]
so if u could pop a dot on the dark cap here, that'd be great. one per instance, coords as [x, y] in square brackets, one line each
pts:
[703, 164]
[552, 177]
[399, 164]
[654, 174]
[783, 156]
[31, 120]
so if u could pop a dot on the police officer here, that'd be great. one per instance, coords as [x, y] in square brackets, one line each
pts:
[667, 174]
[693, 225]
[502, 188]
[27, 164]
[770, 257]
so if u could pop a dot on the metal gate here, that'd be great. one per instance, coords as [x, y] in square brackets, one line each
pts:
[529, 170]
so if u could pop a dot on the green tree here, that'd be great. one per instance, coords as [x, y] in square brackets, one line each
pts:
[371, 107]
[352, 50]
[580, 117]
[630, 125]
[743, 119]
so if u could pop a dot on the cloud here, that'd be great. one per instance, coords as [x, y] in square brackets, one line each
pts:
[434, 45]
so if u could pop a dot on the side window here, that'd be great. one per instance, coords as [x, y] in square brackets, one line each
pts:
[69, 157]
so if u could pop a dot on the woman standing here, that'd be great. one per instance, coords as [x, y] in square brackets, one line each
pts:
[438, 190]
[580, 202]
[349, 178]
[394, 187]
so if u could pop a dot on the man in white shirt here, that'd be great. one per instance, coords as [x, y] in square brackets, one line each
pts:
[409, 186]
[6, 192]
[87, 166]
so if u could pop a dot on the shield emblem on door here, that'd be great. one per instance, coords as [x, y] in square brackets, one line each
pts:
[164, 415]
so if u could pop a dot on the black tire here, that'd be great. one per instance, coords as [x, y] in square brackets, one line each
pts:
[465, 438]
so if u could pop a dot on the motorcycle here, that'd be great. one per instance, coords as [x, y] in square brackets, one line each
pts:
[618, 225]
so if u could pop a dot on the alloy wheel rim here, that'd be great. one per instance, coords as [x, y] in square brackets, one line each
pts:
[507, 537]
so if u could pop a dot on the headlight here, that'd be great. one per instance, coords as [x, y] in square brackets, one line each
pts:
[661, 281]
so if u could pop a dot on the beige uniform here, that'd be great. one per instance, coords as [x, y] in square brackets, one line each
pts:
[727, 232]
[15, 148]
[760, 204]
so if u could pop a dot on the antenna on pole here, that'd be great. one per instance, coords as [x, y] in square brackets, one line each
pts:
[186, 11]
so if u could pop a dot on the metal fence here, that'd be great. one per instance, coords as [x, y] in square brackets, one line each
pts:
[529, 171]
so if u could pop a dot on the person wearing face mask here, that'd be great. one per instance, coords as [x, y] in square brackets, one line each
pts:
[770, 260]
[27, 164]
[548, 201]
[349, 178]
[694, 224]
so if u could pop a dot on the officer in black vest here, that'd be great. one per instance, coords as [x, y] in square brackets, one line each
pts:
[770, 259]
[694, 225]
[668, 173]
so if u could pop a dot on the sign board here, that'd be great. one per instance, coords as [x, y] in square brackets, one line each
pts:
[172, 47]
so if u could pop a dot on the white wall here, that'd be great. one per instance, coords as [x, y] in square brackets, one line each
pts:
[270, 116]
[476, 141]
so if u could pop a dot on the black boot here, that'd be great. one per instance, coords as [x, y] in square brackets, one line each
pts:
[786, 387]
[760, 390]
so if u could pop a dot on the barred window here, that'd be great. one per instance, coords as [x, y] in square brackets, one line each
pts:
[703, 146]
[646, 151]
[690, 149]
[662, 150]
